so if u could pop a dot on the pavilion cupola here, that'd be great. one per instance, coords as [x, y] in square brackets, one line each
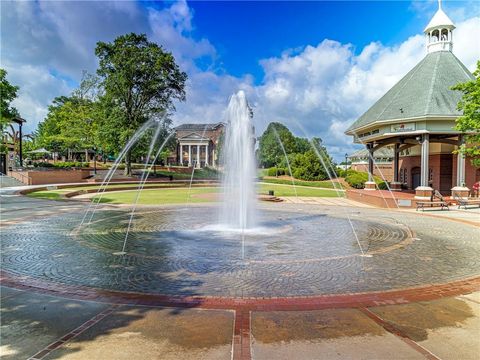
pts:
[439, 32]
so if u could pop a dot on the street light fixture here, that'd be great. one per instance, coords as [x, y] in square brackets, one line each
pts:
[346, 161]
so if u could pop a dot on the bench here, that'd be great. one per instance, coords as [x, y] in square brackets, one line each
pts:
[441, 202]
[435, 203]
[466, 201]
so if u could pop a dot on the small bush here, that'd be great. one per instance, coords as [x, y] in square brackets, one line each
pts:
[356, 179]
[382, 185]
[70, 164]
[61, 165]
[274, 171]
[42, 165]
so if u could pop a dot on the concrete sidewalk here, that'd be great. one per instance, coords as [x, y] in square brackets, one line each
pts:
[441, 329]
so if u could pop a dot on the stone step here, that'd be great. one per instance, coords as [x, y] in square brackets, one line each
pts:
[8, 181]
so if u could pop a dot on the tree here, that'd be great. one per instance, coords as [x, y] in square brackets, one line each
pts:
[141, 79]
[70, 125]
[469, 122]
[8, 93]
[308, 165]
[270, 152]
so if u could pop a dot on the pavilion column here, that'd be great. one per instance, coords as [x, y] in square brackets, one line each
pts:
[370, 184]
[206, 155]
[396, 185]
[189, 155]
[460, 189]
[424, 191]
[198, 156]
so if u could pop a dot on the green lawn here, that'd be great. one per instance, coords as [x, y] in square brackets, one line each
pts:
[159, 196]
[326, 184]
[288, 190]
[178, 195]
[56, 194]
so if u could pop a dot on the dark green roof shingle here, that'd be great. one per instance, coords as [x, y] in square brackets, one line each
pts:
[424, 91]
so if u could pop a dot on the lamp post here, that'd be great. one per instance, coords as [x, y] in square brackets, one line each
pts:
[346, 161]
[95, 160]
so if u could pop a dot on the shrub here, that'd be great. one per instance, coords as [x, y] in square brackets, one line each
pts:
[70, 164]
[382, 185]
[61, 165]
[356, 179]
[274, 171]
[42, 165]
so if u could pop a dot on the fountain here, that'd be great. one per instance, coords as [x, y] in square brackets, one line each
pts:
[239, 208]
[252, 250]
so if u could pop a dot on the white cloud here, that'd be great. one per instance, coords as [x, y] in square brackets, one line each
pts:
[320, 88]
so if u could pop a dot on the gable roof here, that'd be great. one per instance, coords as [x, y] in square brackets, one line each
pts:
[382, 153]
[198, 127]
[194, 136]
[424, 91]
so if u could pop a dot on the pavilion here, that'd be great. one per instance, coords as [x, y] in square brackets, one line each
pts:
[416, 118]
[13, 155]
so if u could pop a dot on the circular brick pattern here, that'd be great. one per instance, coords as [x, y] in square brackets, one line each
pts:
[169, 252]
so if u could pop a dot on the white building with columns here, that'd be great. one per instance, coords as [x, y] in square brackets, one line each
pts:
[198, 144]
[416, 119]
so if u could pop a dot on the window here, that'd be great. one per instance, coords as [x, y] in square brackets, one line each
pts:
[401, 175]
[444, 35]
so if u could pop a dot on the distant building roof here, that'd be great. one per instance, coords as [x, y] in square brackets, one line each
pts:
[19, 120]
[424, 91]
[382, 153]
[198, 127]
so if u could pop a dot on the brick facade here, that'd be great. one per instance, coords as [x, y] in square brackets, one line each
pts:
[442, 172]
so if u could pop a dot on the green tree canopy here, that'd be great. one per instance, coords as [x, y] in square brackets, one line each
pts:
[469, 122]
[8, 93]
[70, 125]
[270, 151]
[141, 80]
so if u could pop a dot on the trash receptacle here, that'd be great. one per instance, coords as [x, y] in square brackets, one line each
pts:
[271, 192]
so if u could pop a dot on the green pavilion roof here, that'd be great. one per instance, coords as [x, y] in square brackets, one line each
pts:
[424, 91]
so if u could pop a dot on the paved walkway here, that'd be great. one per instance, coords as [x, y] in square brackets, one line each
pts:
[470, 215]
[441, 323]
[36, 326]
[323, 201]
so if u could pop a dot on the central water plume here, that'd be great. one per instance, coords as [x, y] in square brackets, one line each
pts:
[239, 205]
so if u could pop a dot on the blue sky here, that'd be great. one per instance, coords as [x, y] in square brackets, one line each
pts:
[246, 32]
[316, 66]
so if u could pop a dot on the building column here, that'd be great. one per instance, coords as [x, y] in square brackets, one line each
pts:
[198, 156]
[370, 184]
[395, 184]
[460, 189]
[206, 155]
[189, 155]
[424, 191]
[180, 156]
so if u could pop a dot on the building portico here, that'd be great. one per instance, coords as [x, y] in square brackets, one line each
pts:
[197, 144]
